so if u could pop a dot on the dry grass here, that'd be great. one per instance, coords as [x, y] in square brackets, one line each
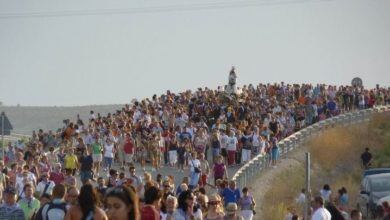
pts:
[335, 160]
[283, 192]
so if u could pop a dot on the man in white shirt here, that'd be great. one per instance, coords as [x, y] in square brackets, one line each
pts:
[231, 148]
[301, 199]
[45, 186]
[224, 140]
[320, 212]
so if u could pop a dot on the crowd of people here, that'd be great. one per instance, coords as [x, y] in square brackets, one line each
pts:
[87, 170]
[328, 205]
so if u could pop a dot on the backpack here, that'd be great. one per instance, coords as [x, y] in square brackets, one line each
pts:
[57, 211]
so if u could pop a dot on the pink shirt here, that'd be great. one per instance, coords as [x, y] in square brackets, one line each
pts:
[57, 178]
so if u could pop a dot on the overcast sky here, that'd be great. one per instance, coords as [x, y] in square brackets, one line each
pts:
[95, 57]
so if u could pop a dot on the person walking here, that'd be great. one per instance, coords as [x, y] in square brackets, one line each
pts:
[29, 204]
[231, 194]
[45, 186]
[10, 209]
[219, 169]
[56, 209]
[87, 207]
[247, 143]
[274, 151]
[86, 168]
[97, 156]
[366, 158]
[205, 170]
[71, 161]
[109, 152]
[231, 148]
[320, 212]
[246, 204]
[195, 170]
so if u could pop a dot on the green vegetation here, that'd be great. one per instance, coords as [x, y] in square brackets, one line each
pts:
[335, 161]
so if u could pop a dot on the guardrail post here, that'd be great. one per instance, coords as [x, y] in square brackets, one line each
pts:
[281, 145]
[258, 163]
[251, 168]
[310, 130]
[245, 175]
[265, 161]
[238, 179]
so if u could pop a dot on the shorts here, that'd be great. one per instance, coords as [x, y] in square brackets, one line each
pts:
[155, 154]
[129, 158]
[85, 175]
[223, 152]
[97, 157]
[172, 156]
[121, 156]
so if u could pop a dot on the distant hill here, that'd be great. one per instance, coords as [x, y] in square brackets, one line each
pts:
[26, 119]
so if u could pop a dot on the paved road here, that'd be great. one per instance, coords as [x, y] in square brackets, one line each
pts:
[164, 171]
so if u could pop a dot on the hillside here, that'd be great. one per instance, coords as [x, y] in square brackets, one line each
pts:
[26, 119]
[335, 161]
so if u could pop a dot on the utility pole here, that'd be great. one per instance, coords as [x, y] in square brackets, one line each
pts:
[308, 191]
[2, 133]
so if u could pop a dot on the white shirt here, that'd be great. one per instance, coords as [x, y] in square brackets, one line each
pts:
[325, 194]
[41, 187]
[193, 163]
[321, 214]
[232, 144]
[301, 198]
[256, 140]
[109, 150]
[88, 139]
[224, 140]
[20, 145]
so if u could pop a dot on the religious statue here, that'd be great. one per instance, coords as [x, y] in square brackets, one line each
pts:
[357, 82]
[231, 86]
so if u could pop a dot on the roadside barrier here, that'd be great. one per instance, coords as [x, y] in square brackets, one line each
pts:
[256, 165]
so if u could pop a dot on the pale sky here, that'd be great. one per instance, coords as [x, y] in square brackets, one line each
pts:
[93, 57]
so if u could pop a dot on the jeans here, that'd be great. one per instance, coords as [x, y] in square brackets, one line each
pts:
[215, 152]
[194, 179]
[108, 162]
[85, 175]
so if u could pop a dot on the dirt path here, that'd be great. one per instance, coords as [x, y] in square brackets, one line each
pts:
[264, 181]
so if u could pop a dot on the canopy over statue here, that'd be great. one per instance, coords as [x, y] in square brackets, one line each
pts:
[231, 86]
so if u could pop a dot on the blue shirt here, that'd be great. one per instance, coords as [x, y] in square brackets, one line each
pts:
[11, 212]
[184, 135]
[230, 195]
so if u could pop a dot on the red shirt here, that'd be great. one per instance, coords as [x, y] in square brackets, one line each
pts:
[57, 178]
[128, 148]
[149, 212]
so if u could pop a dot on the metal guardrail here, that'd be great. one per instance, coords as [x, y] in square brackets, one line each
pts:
[15, 137]
[260, 162]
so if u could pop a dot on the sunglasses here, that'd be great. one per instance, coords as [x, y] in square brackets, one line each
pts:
[213, 202]
[166, 186]
[190, 198]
